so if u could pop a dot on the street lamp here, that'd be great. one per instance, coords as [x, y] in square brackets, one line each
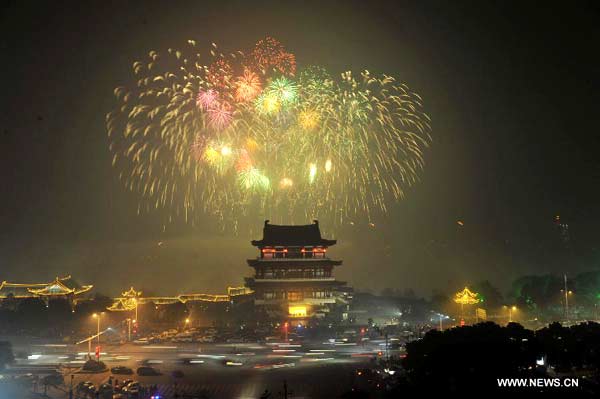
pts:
[510, 310]
[442, 317]
[136, 308]
[97, 317]
[567, 294]
[129, 321]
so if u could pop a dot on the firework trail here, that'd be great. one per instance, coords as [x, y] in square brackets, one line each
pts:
[249, 136]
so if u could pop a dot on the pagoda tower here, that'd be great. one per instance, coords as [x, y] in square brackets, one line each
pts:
[293, 276]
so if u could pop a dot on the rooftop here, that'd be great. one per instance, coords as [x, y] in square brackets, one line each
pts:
[60, 286]
[292, 236]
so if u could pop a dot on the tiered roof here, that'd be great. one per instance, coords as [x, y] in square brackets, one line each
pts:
[292, 236]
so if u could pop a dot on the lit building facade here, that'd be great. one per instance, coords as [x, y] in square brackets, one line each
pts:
[293, 276]
[61, 287]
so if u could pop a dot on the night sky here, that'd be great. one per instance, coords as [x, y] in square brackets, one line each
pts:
[512, 91]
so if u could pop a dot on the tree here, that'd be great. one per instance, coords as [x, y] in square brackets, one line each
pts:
[538, 293]
[32, 313]
[587, 287]
[556, 342]
[489, 295]
[576, 347]
[469, 357]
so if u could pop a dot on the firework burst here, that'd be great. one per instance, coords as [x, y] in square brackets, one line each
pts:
[243, 136]
[248, 86]
[220, 115]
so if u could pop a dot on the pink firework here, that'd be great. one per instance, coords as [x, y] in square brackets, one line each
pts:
[207, 99]
[248, 86]
[244, 162]
[221, 115]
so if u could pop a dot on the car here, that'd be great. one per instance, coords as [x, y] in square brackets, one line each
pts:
[132, 384]
[85, 387]
[132, 391]
[146, 370]
[121, 370]
[125, 383]
[231, 363]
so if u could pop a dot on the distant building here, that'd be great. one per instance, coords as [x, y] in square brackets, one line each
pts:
[293, 276]
[131, 298]
[61, 287]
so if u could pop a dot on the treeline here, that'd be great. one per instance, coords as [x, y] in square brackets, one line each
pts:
[538, 295]
[474, 357]
[56, 317]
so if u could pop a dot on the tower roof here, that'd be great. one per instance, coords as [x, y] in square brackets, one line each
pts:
[293, 235]
[60, 286]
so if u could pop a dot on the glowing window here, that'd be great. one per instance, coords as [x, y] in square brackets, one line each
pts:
[297, 311]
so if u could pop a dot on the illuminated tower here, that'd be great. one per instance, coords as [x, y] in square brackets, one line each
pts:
[293, 275]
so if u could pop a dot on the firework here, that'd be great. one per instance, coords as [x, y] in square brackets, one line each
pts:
[198, 138]
[220, 74]
[220, 115]
[253, 179]
[308, 119]
[269, 55]
[268, 103]
[247, 86]
[312, 174]
[286, 182]
[283, 90]
[207, 99]
[244, 162]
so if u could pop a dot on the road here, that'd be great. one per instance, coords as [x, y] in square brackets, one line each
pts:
[311, 370]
